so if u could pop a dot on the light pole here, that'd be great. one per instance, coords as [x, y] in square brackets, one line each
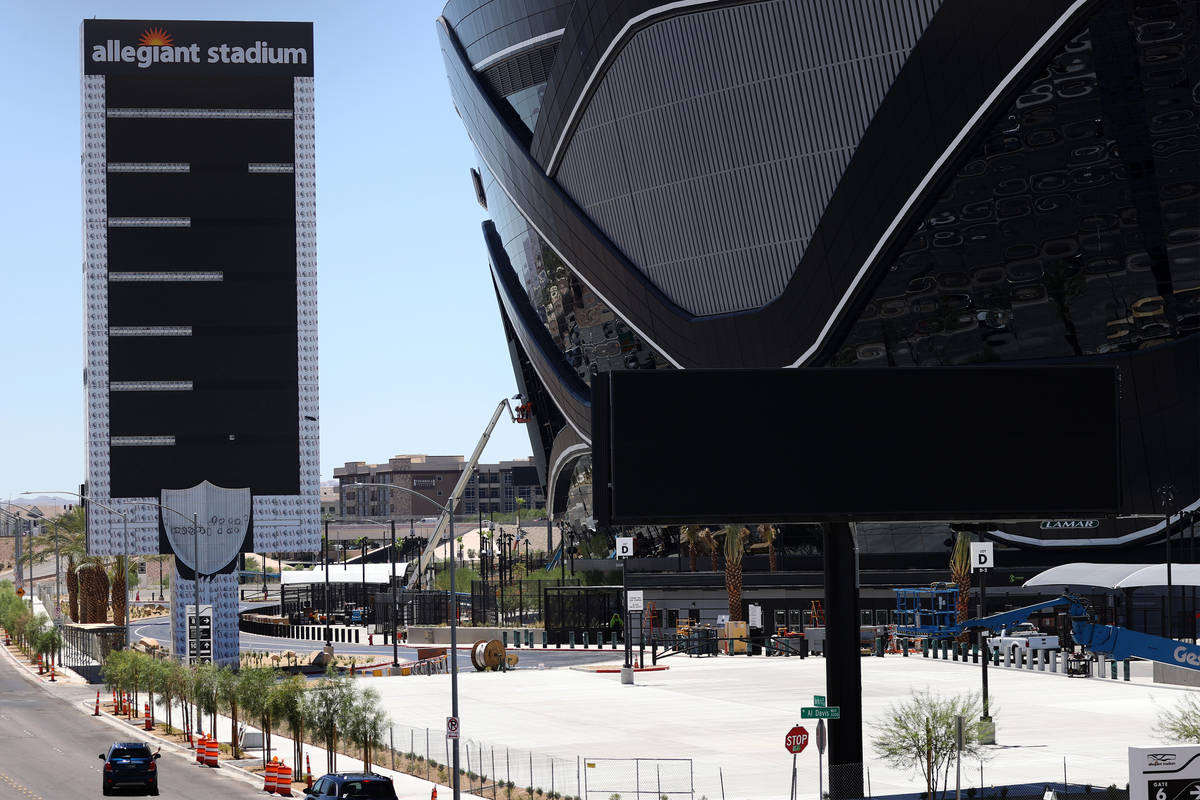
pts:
[124, 557]
[38, 515]
[392, 616]
[448, 510]
[1166, 496]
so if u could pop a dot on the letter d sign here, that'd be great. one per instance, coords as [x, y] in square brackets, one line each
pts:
[981, 556]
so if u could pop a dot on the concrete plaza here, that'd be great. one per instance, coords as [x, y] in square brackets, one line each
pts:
[730, 715]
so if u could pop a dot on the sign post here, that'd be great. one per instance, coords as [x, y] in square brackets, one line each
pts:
[795, 742]
[820, 758]
[982, 560]
[625, 551]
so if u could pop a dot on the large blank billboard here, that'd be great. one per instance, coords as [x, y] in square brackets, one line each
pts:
[960, 443]
[200, 270]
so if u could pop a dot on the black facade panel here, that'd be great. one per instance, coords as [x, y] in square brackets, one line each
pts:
[224, 144]
[235, 193]
[211, 91]
[213, 357]
[245, 250]
[143, 471]
[263, 305]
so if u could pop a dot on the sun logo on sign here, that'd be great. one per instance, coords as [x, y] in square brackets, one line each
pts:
[156, 37]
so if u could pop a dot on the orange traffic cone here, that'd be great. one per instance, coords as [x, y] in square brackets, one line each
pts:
[283, 780]
[307, 772]
[149, 723]
[97, 711]
[434, 795]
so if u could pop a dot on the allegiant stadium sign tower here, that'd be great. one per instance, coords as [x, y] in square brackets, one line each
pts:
[200, 272]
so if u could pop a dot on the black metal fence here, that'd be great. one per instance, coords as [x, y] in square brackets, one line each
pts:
[517, 602]
[427, 607]
[304, 603]
[85, 647]
[573, 610]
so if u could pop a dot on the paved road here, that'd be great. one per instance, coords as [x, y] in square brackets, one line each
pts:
[160, 629]
[48, 749]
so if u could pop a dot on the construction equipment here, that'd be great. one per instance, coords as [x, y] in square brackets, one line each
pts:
[490, 655]
[1110, 640]
[464, 478]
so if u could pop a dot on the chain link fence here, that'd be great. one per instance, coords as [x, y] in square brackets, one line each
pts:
[638, 778]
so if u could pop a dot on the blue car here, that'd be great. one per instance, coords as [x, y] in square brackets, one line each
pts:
[130, 764]
[359, 785]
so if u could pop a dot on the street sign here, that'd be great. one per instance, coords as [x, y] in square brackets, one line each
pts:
[636, 599]
[451, 727]
[821, 739]
[20, 592]
[796, 740]
[819, 700]
[830, 712]
[982, 556]
[1170, 772]
[624, 547]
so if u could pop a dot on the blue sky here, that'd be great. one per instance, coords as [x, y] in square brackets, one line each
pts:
[413, 358]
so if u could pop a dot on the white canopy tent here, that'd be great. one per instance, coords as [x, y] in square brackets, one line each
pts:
[1117, 576]
[351, 573]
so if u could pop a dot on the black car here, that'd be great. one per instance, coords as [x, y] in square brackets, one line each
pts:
[129, 764]
[353, 785]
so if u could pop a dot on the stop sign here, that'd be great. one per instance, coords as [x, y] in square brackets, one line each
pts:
[796, 740]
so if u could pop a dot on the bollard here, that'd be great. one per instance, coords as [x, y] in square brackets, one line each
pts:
[586, 640]
[954, 651]
[614, 640]
[504, 639]
[572, 640]
[1125, 664]
[925, 648]
[544, 635]
[1042, 658]
[1054, 661]
[974, 654]
[1100, 665]
[1113, 666]
[945, 649]
[904, 647]
[1008, 657]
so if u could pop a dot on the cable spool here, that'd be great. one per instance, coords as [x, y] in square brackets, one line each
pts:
[487, 655]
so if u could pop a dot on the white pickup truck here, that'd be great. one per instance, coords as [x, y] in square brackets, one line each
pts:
[1021, 639]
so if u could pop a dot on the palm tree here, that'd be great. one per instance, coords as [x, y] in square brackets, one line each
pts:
[691, 535]
[290, 706]
[769, 533]
[960, 572]
[735, 548]
[254, 691]
[119, 589]
[710, 541]
[93, 590]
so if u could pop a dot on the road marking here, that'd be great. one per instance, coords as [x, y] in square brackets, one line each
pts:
[25, 790]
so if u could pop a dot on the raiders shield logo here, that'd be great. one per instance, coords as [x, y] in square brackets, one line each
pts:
[221, 517]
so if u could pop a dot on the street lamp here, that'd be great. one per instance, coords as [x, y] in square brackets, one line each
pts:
[448, 510]
[36, 514]
[17, 523]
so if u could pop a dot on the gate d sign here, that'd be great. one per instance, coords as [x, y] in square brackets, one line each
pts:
[981, 556]
[796, 740]
[624, 547]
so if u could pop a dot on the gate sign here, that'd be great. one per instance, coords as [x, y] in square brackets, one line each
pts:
[982, 557]
[636, 600]
[624, 547]
[796, 740]
[1164, 773]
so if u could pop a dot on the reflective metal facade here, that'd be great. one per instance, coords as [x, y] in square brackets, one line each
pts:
[785, 184]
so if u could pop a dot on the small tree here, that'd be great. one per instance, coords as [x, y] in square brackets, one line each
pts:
[365, 723]
[1181, 723]
[255, 686]
[228, 692]
[919, 733]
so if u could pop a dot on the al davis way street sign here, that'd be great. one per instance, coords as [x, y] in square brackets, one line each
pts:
[796, 740]
[828, 712]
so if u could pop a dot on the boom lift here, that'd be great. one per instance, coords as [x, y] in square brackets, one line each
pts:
[1111, 640]
[522, 415]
